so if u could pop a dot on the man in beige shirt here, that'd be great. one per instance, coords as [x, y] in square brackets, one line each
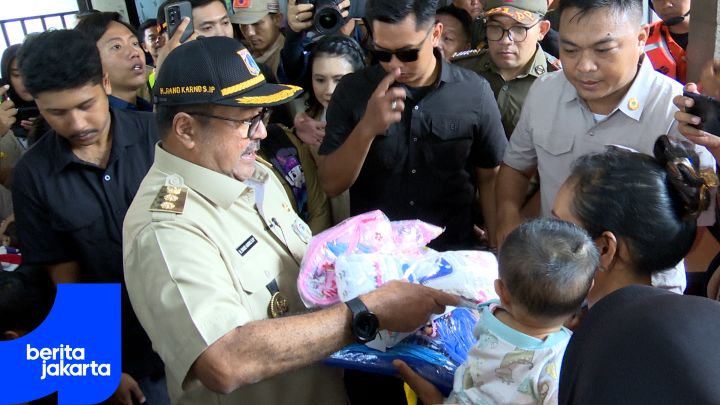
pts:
[212, 249]
[606, 94]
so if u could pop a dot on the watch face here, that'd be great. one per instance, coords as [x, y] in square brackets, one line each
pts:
[365, 326]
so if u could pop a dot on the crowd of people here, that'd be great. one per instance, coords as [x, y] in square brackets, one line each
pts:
[195, 173]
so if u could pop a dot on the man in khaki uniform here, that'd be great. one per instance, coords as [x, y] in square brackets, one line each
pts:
[212, 248]
[260, 22]
[514, 58]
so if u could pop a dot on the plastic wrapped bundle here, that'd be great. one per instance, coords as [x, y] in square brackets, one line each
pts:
[370, 232]
[434, 351]
[470, 274]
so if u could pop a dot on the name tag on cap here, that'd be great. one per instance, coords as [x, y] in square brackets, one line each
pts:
[247, 245]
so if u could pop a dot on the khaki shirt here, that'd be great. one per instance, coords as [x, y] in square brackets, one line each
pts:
[198, 270]
[510, 95]
[271, 57]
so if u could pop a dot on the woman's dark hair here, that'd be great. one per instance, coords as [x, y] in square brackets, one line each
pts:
[58, 60]
[8, 57]
[460, 15]
[394, 11]
[96, 24]
[651, 204]
[332, 46]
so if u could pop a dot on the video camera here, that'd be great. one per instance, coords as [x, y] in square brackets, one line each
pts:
[327, 17]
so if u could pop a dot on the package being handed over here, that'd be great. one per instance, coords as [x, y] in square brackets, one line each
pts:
[434, 352]
[469, 274]
[371, 232]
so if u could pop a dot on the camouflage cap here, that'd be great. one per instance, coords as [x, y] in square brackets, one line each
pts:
[526, 12]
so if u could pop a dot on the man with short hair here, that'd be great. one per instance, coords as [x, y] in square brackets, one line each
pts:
[405, 135]
[212, 248]
[260, 22]
[150, 38]
[210, 18]
[668, 38]
[122, 58]
[514, 58]
[607, 93]
[72, 188]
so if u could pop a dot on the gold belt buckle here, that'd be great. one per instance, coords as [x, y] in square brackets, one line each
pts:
[278, 305]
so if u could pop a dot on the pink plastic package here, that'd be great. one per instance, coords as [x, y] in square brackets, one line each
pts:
[371, 232]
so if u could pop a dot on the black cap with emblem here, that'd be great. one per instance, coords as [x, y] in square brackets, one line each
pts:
[216, 70]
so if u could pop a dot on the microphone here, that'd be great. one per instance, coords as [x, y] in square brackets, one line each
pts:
[676, 20]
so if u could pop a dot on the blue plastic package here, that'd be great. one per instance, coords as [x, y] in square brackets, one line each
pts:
[434, 351]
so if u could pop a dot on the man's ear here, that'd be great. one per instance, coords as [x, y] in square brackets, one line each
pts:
[106, 83]
[544, 28]
[643, 35]
[437, 34]
[278, 19]
[607, 245]
[183, 130]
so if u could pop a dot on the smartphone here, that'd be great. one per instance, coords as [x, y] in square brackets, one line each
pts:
[708, 109]
[25, 113]
[174, 14]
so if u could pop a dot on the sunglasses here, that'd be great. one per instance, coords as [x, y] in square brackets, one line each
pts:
[403, 55]
[253, 123]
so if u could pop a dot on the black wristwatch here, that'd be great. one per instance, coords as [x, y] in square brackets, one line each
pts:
[364, 323]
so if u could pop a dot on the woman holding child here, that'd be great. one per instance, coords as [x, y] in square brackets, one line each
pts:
[637, 344]
[640, 344]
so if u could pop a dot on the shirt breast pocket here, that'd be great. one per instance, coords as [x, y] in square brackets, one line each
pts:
[252, 275]
[86, 227]
[449, 143]
[554, 154]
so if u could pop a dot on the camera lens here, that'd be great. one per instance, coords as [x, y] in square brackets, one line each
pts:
[327, 21]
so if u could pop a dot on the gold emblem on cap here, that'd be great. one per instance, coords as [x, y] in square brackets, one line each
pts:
[633, 104]
[278, 305]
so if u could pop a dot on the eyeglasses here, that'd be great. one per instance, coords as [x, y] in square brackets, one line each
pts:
[403, 55]
[253, 123]
[516, 33]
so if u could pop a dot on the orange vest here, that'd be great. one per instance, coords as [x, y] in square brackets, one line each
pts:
[666, 55]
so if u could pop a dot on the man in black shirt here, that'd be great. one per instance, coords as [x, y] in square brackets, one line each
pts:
[73, 188]
[409, 136]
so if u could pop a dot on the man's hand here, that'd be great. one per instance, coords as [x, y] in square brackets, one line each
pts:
[173, 42]
[425, 390]
[300, 16]
[385, 106]
[7, 111]
[687, 121]
[403, 307]
[126, 391]
[310, 131]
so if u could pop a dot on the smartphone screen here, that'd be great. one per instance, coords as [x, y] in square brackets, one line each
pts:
[174, 14]
[708, 109]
